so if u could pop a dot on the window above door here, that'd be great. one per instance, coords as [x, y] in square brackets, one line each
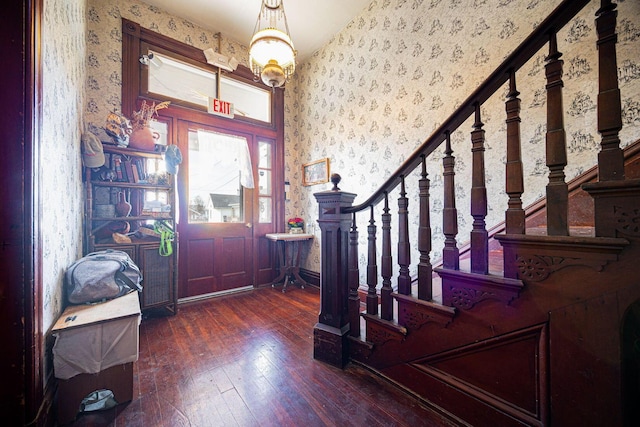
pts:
[158, 68]
[166, 77]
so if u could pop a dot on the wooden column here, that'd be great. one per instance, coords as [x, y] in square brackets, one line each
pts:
[479, 235]
[557, 190]
[514, 217]
[404, 247]
[425, 269]
[330, 334]
[450, 252]
[611, 157]
[372, 267]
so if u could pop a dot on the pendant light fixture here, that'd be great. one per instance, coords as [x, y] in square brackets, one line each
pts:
[271, 52]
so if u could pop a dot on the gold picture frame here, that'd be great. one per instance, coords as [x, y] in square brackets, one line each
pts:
[316, 172]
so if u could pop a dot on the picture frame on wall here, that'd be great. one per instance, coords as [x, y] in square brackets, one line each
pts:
[316, 172]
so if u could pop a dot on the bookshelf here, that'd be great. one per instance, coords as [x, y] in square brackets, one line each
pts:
[130, 204]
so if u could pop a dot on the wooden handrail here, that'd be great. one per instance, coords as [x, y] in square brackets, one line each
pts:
[525, 51]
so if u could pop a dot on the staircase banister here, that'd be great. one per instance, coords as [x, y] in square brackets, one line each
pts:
[560, 16]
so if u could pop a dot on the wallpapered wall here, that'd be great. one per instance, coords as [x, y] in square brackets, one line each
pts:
[63, 76]
[104, 44]
[381, 86]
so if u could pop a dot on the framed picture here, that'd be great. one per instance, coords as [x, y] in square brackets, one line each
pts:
[315, 172]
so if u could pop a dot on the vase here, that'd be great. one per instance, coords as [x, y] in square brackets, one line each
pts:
[143, 139]
[123, 207]
[296, 230]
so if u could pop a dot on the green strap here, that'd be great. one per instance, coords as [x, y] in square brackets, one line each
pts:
[166, 236]
[166, 248]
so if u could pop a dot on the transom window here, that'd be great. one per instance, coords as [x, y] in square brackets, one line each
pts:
[170, 78]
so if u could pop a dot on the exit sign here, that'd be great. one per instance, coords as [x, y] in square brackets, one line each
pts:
[220, 108]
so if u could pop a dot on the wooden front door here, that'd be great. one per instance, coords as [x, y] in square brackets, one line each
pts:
[216, 210]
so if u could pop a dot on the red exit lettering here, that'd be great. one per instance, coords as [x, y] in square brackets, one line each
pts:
[220, 107]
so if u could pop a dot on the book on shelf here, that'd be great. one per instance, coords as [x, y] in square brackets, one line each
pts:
[117, 166]
[139, 165]
[128, 166]
[134, 172]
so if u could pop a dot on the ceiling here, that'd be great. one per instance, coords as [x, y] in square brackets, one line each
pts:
[312, 23]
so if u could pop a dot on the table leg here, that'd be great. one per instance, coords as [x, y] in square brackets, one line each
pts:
[280, 249]
[289, 264]
[293, 269]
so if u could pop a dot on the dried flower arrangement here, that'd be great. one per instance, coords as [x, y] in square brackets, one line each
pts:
[142, 117]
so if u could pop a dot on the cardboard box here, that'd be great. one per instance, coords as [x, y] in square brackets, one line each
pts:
[95, 348]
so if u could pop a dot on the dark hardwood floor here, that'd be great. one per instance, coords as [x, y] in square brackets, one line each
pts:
[246, 359]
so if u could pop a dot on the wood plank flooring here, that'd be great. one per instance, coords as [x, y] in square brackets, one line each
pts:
[246, 359]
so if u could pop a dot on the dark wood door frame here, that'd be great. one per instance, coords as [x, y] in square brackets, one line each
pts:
[135, 39]
[20, 253]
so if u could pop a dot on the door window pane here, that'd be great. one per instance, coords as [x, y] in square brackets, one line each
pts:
[162, 129]
[264, 153]
[264, 182]
[217, 173]
[264, 204]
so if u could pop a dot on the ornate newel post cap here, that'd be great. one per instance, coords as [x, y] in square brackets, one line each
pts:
[335, 179]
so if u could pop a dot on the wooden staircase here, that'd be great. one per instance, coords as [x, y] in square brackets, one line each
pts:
[487, 343]
[537, 322]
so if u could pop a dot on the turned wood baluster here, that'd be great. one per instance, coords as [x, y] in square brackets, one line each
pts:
[386, 302]
[557, 190]
[611, 157]
[425, 269]
[450, 252]
[514, 217]
[372, 268]
[354, 279]
[479, 235]
[404, 247]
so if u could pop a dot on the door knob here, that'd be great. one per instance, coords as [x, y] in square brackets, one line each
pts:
[248, 225]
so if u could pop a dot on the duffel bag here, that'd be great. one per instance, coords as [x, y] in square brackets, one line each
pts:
[100, 276]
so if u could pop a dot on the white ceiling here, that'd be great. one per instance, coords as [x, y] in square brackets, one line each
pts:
[312, 23]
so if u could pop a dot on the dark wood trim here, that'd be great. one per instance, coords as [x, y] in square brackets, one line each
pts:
[130, 66]
[136, 40]
[37, 409]
[311, 277]
[21, 300]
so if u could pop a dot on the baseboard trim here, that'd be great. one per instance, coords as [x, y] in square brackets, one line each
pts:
[311, 277]
[197, 298]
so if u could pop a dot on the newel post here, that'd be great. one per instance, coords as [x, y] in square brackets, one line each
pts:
[330, 334]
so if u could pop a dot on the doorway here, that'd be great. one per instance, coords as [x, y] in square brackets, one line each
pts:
[221, 230]
[216, 211]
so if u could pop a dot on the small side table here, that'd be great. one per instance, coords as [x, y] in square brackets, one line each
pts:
[289, 265]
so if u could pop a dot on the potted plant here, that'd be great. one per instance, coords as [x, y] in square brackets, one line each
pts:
[142, 137]
[296, 225]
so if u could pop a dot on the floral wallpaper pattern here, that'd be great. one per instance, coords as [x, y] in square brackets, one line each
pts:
[63, 74]
[378, 89]
[381, 86]
[104, 45]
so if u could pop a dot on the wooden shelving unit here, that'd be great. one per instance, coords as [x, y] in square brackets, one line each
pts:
[151, 194]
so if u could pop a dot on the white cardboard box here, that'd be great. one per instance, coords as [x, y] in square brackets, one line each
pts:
[92, 338]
